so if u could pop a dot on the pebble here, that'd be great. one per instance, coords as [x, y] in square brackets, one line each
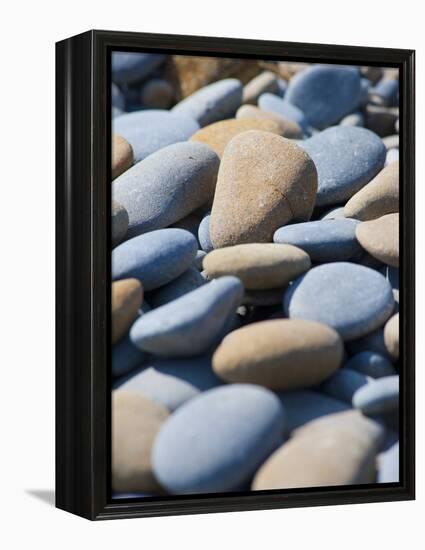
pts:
[264, 204]
[343, 384]
[188, 281]
[353, 119]
[339, 449]
[204, 234]
[381, 396]
[126, 357]
[389, 466]
[391, 336]
[127, 297]
[287, 128]
[155, 258]
[199, 258]
[325, 93]
[379, 197]
[323, 240]
[213, 102]
[262, 83]
[346, 158]
[370, 364]
[281, 354]
[119, 223]
[167, 186]
[274, 104]
[130, 67]
[391, 142]
[150, 130]
[352, 299]
[190, 324]
[380, 238]
[217, 441]
[157, 94]
[258, 266]
[135, 424]
[334, 213]
[122, 155]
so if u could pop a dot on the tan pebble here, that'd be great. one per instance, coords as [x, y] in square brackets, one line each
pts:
[288, 128]
[127, 297]
[391, 336]
[380, 238]
[122, 155]
[262, 83]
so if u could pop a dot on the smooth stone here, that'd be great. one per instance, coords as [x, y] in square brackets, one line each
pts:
[380, 238]
[266, 81]
[370, 364]
[167, 186]
[378, 397]
[391, 142]
[126, 357]
[353, 119]
[135, 423]
[157, 94]
[150, 130]
[188, 281]
[391, 335]
[325, 93]
[281, 354]
[338, 449]
[350, 298]
[389, 465]
[335, 213]
[393, 155]
[259, 266]
[268, 297]
[127, 297]
[385, 93]
[119, 223]
[218, 135]
[190, 324]
[274, 104]
[155, 258]
[204, 234]
[217, 441]
[172, 382]
[199, 258]
[213, 102]
[130, 67]
[122, 155]
[381, 120]
[323, 240]
[343, 384]
[264, 204]
[373, 341]
[346, 158]
[288, 128]
[117, 97]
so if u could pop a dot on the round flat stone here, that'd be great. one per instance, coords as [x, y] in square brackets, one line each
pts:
[343, 384]
[274, 104]
[167, 186]
[352, 299]
[280, 354]
[370, 364]
[258, 266]
[381, 396]
[122, 155]
[188, 281]
[391, 335]
[155, 258]
[217, 441]
[130, 67]
[346, 158]
[264, 203]
[119, 222]
[127, 297]
[380, 238]
[288, 128]
[323, 240]
[266, 81]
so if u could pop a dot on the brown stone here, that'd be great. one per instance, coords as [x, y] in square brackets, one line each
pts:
[288, 128]
[260, 84]
[122, 155]
[127, 297]
[380, 238]
[391, 336]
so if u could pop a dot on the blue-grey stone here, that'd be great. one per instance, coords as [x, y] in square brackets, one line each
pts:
[282, 86]
[343, 384]
[385, 93]
[373, 341]
[378, 397]
[352, 299]
[204, 234]
[388, 465]
[323, 240]
[129, 67]
[155, 258]
[151, 130]
[217, 441]
[172, 382]
[167, 186]
[199, 258]
[213, 102]
[191, 324]
[325, 93]
[370, 364]
[274, 104]
[335, 213]
[126, 357]
[188, 281]
[117, 97]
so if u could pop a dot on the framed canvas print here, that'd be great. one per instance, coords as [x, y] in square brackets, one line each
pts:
[235, 275]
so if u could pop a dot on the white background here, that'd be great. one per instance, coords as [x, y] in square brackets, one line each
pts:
[29, 31]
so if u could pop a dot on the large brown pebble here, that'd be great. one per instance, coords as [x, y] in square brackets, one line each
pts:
[135, 423]
[380, 238]
[122, 155]
[391, 336]
[280, 354]
[218, 135]
[337, 449]
[288, 128]
[378, 197]
[258, 265]
[127, 297]
[264, 181]
[262, 83]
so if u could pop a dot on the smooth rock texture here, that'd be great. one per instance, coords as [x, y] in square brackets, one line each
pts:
[262, 83]
[213, 102]
[391, 336]
[167, 186]
[135, 424]
[126, 357]
[378, 197]
[352, 299]
[155, 258]
[380, 238]
[323, 240]
[258, 266]
[157, 94]
[274, 104]
[264, 203]
[119, 223]
[204, 234]
[122, 155]
[325, 93]
[288, 128]
[188, 281]
[280, 354]
[190, 324]
[343, 384]
[150, 130]
[130, 67]
[370, 364]
[346, 158]
[127, 297]
[334, 213]
[216, 441]
[380, 396]
[339, 449]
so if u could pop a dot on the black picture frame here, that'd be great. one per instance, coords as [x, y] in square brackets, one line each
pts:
[83, 274]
